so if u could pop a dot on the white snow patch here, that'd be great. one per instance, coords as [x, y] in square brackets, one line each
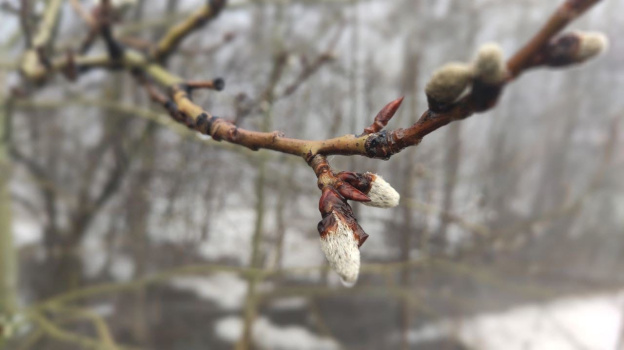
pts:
[226, 290]
[301, 250]
[93, 256]
[26, 232]
[267, 335]
[579, 323]
[293, 303]
[103, 310]
[229, 329]
[232, 239]
[122, 268]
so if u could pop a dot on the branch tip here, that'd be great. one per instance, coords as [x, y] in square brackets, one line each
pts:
[573, 48]
[384, 116]
[219, 84]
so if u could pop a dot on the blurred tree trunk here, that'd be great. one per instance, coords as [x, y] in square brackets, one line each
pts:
[257, 259]
[410, 233]
[8, 267]
[450, 174]
[453, 140]
[138, 213]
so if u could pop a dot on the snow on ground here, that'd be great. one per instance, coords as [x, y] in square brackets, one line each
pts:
[225, 289]
[234, 241]
[571, 323]
[267, 335]
[122, 268]
[301, 250]
[26, 232]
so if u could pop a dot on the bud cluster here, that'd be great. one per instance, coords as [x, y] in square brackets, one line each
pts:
[452, 81]
[341, 234]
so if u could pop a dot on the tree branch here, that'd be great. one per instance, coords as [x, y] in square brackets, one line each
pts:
[448, 100]
[172, 39]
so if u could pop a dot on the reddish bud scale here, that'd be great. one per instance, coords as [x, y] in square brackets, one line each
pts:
[384, 116]
[350, 192]
[362, 182]
[380, 192]
[326, 225]
[332, 202]
[71, 70]
[329, 225]
[562, 50]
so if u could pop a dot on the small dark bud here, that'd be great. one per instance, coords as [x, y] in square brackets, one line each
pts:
[201, 121]
[171, 106]
[219, 84]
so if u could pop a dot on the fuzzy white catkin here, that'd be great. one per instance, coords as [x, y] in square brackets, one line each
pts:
[490, 65]
[342, 251]
[592, 44]
[449, 82]
[382, 195]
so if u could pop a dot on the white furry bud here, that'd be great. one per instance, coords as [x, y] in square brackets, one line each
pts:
[592, 44]
[382, 195]
[490, 65]
[341, 250]
[449, 82]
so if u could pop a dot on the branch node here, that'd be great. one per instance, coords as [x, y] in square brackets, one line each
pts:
[379, 145]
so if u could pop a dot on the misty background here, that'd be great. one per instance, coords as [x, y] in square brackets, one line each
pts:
[510, 231]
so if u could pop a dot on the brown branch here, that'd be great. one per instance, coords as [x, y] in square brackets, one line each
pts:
[311, 68]
[376, 145]
[382, 144]
[172, 39]
[24, 15]
[216, 84]
[136, 43]
[565, 14]
[105, 21]
[227, 38]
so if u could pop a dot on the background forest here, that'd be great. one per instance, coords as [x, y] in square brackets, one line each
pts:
[128, 231]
